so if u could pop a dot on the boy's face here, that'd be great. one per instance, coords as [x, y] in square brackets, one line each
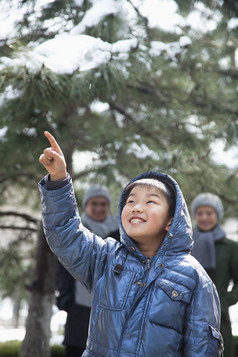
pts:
[145, 215]
[206, 218]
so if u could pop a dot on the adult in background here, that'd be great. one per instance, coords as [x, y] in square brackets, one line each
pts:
[218, 255]
[72, 296]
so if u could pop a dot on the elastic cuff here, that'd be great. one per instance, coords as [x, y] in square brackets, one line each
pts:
[55, 185]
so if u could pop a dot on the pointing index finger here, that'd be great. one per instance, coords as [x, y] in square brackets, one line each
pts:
[53, 142]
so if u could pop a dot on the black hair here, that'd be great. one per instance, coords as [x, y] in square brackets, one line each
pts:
[164, 187]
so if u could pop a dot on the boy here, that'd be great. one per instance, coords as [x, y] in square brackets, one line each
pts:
[151, 298]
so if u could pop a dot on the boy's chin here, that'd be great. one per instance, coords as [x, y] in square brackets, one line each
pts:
[136, 240]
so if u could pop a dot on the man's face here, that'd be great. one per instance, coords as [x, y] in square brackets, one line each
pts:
[206, 218]
[97, 208]
[145, 215]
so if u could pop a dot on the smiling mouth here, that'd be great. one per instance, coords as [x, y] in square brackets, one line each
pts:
[136, 220]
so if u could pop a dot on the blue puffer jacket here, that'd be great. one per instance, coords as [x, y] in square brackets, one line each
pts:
[163, 307]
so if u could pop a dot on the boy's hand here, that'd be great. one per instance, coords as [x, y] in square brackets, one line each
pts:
[53, 160]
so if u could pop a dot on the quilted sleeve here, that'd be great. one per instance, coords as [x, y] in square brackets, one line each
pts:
[81, 252]
[202, 323]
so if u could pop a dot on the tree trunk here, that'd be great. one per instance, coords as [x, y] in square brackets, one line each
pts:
[16, 310]
[36, 341]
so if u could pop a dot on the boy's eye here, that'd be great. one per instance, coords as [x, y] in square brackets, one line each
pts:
[151, 201]
[130, 201]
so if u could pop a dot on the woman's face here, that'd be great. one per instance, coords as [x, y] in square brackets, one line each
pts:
[206, 218]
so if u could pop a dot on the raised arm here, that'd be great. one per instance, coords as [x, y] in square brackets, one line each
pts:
[53, 160]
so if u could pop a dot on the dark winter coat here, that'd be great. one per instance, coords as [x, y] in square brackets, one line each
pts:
[76, 326]
[166, 307]
[226, 271]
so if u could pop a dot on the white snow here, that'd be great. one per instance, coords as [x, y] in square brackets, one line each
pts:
[124, 45]
[162, 14]
[9, 14]
[79, 2]
[8, 333]
[30, 131]
[83, 160]
[3, 132]
[236, 58]
[97, 106]
[9, 93]
[97, 13]
[232, 24]
[142, 151]
[203, 19]
[220, 155]
[67, 53]
[185, 41]
[225, 63]
[193, 126]
[171, 48]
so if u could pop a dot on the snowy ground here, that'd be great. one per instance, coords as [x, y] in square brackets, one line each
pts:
[7, 333]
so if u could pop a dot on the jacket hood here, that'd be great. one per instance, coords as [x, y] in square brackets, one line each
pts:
[178, 239]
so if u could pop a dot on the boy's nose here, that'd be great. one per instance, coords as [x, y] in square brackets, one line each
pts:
[137, 208]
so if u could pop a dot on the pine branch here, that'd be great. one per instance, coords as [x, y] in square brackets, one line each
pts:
[25, 216]
[19, 228]
[143, 18]
[88, 171]
[228, 199]
[229, 73]
[16, 176]
[219, 108]
[146, 89]
[139, 126]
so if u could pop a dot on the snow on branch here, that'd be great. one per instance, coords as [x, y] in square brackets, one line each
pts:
[67, 53]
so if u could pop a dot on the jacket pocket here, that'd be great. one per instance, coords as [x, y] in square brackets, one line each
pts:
[216, 345]
[168, 304]
[114, 289]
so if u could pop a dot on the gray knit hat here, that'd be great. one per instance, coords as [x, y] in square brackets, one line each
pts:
[95, 191]
[208, 199]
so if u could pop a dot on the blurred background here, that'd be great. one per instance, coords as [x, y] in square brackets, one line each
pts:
[125, 86]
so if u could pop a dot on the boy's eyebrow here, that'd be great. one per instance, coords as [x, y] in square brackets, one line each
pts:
[148, 194]
[154, 194]
[131, 194]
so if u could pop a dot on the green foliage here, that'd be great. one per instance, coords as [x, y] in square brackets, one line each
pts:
[12, 348]
[173, 104]
[9, 349]
[235, 342]
[15, 267]
[57, 351]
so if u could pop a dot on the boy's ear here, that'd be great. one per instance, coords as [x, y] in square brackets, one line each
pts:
[169, 224]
